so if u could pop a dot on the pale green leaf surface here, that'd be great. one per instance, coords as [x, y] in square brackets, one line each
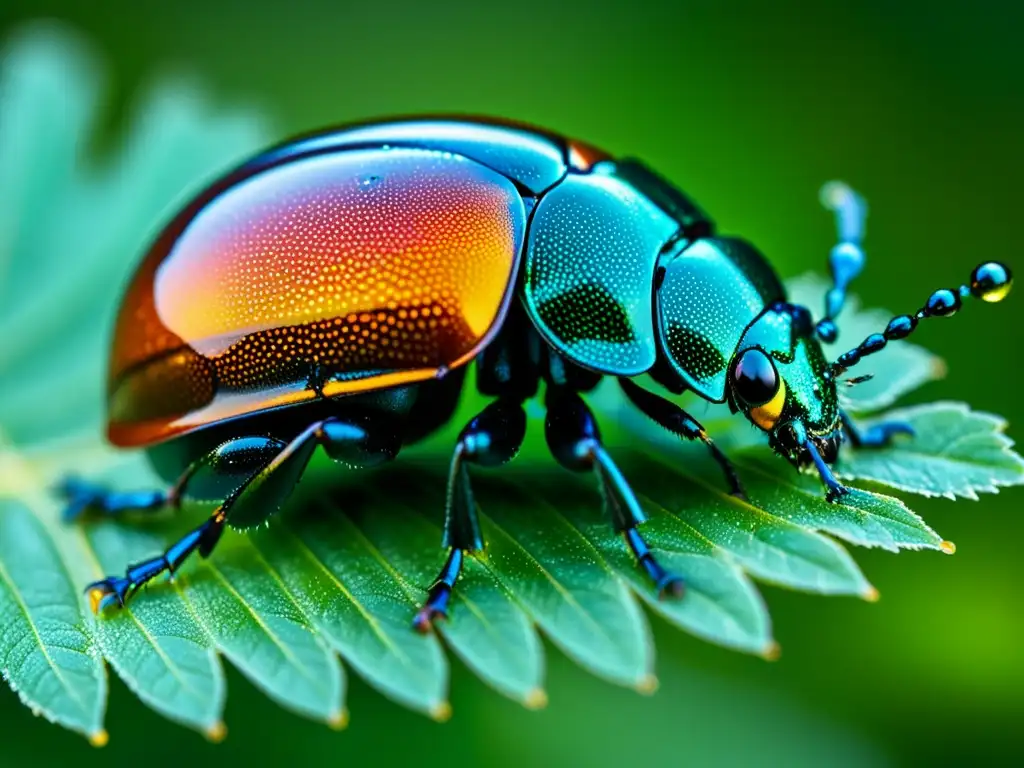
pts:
[862, 518]
[721, 605]
[159, 648]
[258, 624]
[46, 652]
[487, 628]
[954, 452]
[559, 576]
[358, 605]
[768, 547]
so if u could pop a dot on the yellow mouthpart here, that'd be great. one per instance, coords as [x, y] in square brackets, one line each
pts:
[766, 415]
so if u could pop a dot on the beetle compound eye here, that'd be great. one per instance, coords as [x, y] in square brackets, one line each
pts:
[754, 377]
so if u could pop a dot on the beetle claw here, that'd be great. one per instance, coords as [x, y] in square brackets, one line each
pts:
[835, 492]
[671, 587]
[426, 618]
[106, 592]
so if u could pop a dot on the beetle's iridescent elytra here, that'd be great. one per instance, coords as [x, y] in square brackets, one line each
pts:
[331, 292]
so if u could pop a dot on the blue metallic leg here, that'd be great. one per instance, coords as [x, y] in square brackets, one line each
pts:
[83, 496]
[489, 440]
[436, 606]
[876, 436]
[118, 589]
[833, 488]
[272, 469]
[575, 442]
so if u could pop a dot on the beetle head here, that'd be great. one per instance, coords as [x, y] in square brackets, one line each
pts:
[779, 378]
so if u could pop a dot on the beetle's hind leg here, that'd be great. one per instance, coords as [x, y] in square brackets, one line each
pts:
[575, 442]
[83, 496]
[875, 436]
[268, 470]
[492, 438]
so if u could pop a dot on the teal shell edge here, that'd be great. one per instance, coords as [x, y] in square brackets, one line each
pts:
[591, 253]
[711, 293]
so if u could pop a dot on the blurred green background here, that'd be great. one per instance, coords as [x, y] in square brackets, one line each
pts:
[748, 106]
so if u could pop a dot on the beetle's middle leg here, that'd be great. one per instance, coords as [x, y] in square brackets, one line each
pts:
[490, 439]
[673, 418]
[572, 436]
[267, 471]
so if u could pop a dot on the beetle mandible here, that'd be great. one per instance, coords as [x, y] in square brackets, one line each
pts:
[332, 290]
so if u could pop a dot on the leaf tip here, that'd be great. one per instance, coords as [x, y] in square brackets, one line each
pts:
[771, 651]
[536, 698]
[647, 685]
[338, 721]
[948, 547]
[99, 738]
[870, 594]
[216, 733]
[441, 712]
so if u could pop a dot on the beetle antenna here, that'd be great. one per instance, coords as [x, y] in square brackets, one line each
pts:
[846, 259]
[858, 380]
[989, 282]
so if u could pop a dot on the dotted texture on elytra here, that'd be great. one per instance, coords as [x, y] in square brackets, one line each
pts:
[589, 274]
[334, 268]
[711, 292]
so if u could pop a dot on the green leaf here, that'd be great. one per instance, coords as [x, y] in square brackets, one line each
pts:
[954, 452]
[488, 629]
[359, 606]
[898, 369]
[160, 648]
[767, 546]
[559, 576]
[338, 576]
[859, 517]
[259, 624]
[47, 653]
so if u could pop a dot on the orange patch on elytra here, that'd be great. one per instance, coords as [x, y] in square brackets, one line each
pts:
[415, 251]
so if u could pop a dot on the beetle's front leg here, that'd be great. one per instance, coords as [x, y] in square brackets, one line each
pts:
[875, 436]
[673, 418]
[490, 439]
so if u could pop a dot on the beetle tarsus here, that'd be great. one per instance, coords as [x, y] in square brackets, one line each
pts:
[119, 589]
[436, 606]
[671, 587]
[834, 489]
[434, 610]
[835, 492]
[104, 593]
[668, 584]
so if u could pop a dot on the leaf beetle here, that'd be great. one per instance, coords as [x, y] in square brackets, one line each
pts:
[332, 290]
